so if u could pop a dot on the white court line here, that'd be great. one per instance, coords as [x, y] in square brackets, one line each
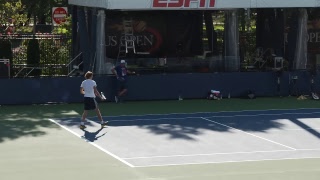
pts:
[230, 116]
[95, 145]
[249, 134]
[212, 162]
[213, 154]
[130, 165]
[262, 110]
[159, 119]
[301, 129]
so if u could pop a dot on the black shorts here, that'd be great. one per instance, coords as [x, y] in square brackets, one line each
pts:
[122, 85]
[90, 103]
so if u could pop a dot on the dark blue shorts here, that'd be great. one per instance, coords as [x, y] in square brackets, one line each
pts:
[121, 84]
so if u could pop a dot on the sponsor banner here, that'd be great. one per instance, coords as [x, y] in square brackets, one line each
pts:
[156, 33]
[313, 36]
[149, 31]
[313, 39]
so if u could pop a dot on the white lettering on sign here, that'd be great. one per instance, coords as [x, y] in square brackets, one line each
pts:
[59, 15]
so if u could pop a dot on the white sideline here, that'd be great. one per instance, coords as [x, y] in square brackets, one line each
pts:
[93, 144]
[249, 134]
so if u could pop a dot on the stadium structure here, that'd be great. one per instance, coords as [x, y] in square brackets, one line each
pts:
[185, 48]
[109, 30]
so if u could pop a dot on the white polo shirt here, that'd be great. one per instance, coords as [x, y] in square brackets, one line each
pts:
[87, 86]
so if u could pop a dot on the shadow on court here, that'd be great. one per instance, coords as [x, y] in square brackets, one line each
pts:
[19, 121]
[22, 121]
[306, 127]
[92, 136]
[14, 129]
[185, 128]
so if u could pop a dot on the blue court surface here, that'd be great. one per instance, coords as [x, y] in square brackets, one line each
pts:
[200, 138]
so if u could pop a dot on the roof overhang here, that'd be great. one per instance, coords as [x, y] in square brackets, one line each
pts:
[193, 4]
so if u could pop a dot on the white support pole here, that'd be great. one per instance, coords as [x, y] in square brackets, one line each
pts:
[231, 41]
[100, 62]
[301, 53]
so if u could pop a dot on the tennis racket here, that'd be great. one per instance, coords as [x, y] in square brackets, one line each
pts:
[102, 96]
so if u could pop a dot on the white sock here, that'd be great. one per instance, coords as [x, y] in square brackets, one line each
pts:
[82, 123]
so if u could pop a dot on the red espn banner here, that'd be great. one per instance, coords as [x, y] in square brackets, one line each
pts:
[183, 3]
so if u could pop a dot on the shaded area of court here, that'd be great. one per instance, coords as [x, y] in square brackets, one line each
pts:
[33, 147]
[197, 138]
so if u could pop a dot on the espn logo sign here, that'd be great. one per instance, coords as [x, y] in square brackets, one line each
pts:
[183, 3]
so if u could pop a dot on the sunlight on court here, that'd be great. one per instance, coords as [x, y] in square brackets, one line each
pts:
[69, 113]
[200, 138]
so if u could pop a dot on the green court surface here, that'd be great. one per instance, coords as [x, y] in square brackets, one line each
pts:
[34, 148]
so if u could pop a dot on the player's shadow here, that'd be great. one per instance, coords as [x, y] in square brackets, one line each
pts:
[92, 136]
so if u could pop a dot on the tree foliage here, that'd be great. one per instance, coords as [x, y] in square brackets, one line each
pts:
[64, 28]
[42, 8]
[48, 52]
[18, 13]
[12, 14]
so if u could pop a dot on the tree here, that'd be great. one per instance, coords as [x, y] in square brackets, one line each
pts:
[19, 12]
[12, 15]
[64, 28]
[41, 10]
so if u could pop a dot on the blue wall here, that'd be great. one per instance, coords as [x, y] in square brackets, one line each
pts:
[154, 87]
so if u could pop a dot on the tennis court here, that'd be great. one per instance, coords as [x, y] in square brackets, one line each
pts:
[200, 138]
[267, 138]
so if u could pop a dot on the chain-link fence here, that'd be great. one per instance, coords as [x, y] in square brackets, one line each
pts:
[55, 54]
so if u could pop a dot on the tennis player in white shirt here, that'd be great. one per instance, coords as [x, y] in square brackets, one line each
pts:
[89, 89]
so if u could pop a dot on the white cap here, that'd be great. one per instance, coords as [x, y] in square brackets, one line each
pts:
[122, 61]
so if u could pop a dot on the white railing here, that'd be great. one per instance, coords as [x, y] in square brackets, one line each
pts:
[71, 69]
